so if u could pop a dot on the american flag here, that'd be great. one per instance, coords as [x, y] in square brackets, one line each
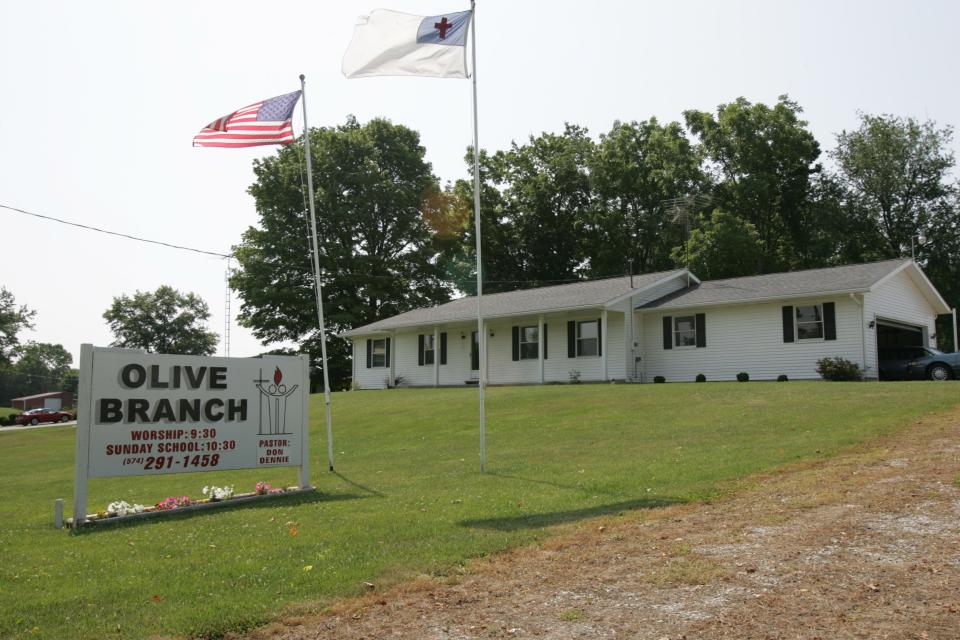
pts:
[264, 122]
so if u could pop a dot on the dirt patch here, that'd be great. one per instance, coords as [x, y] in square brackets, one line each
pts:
[866, 545]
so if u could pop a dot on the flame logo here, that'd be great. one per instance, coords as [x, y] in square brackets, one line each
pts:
[277, 376]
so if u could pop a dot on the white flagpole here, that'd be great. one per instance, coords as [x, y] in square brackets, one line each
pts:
[481, 335]
[316, 272]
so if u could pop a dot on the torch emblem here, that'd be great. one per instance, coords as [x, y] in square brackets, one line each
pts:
[273, 402]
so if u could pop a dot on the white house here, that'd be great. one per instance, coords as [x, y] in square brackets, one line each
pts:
[666, 324]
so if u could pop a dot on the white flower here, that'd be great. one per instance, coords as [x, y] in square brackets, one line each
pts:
[123, 508]
[218, 493]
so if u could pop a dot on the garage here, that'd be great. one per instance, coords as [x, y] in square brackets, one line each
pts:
[892, 336]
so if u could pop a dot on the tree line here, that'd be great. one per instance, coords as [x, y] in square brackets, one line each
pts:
[745, 189]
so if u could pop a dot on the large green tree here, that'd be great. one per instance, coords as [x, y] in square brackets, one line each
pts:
[161, 321]
[897, 173]
[636, 168]
[533, 200]
[42, 367]
[723, 246]
[762, 159]
[378, 256]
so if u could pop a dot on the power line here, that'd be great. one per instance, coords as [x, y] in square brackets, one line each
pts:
[226, 255]
[114, 233]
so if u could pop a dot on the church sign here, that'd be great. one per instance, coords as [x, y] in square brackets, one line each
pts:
[149, 414]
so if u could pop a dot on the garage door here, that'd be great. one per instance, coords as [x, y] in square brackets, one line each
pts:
[895, 334]
[52, 403]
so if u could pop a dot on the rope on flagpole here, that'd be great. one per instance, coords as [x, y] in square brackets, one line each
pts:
[316, 272]
[481, 334]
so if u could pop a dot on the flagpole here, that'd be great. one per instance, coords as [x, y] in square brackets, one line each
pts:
[318, 290]
[481, 334]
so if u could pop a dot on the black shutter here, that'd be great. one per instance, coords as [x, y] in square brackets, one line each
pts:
[443, 348]
[668, 332]
[387, 356]
[599, 338]
[788, 323]
[571, 339]
[701, 330]
[829, 321]
[369, 353]
[516, 343]
[545, 334]
[420, 349]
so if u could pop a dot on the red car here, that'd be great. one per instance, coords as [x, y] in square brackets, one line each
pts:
[36, 416]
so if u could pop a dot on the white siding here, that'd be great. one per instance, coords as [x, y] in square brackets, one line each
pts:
[627, 367]
[897, 299]
[501, 368]
[748, 337]
[364, 378]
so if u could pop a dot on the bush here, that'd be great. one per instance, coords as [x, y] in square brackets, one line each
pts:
[574, 375]
[839, 369]
[701, 377]
[743, 376]
[659, 379]
[782, 378]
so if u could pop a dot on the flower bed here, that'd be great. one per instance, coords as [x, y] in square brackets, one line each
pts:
[215, 496]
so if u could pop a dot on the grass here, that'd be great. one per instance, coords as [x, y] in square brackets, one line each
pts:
[8, 411]
[407, 497]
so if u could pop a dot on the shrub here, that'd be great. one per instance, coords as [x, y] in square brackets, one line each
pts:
[701, 377]
[574, 376]
[782, 378]
[743, 376]
[659, 379]
[839, 369]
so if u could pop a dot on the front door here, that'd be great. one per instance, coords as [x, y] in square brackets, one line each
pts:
[474, 356]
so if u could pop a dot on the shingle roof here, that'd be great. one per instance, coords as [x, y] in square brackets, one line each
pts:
[855, 277]
[589, 293]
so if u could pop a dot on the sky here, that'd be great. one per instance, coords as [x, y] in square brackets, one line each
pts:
[99, 102]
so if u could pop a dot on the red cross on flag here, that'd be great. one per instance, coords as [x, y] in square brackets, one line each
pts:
[390, 43]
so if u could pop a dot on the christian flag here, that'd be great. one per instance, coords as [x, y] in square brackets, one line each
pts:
[389, 43]
[264, 122]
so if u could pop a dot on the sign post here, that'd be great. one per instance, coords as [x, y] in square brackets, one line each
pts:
[154, 414]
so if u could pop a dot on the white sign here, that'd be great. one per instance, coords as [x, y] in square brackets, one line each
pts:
[145, 414]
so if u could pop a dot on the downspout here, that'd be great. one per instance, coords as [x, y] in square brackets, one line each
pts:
[863, 333]
[955, 347]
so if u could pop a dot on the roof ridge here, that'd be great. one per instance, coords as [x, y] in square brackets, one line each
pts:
[566, 284]
[780, 273]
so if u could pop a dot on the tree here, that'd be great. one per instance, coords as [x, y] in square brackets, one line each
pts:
[724, 246]
[163, 321]
[503, 263]
[763, 159]
[896, 171]
[635, 168]
[377, 254]
[42, 367]
[533, 200]
[13, 319]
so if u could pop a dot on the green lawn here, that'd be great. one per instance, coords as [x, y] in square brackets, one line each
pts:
[410, 498]
[8, 411]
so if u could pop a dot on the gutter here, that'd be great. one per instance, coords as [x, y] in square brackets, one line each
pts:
[792, 296]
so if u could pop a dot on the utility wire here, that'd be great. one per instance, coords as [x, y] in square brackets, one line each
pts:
[114, 233]
[226, 255]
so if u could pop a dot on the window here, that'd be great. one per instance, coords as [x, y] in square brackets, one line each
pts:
[529, 343]
[428, 349]
[588, 338]
[379, 353]
[810, 322]
[685, 331]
